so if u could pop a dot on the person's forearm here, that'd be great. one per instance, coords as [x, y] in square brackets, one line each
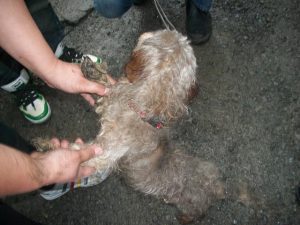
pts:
[19, 172]
[22, 39]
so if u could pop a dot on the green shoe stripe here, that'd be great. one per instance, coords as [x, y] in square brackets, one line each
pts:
[39, 117]
[99, 60]
[43, 119]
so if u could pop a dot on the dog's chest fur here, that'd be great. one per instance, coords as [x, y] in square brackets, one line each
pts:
[123, 132]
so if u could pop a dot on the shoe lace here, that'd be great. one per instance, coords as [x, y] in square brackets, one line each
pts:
[27, 97]
[71, 55]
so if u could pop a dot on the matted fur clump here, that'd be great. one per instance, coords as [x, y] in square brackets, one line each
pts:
[159, 78]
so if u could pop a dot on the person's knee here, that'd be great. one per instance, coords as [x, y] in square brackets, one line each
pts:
[112, 8]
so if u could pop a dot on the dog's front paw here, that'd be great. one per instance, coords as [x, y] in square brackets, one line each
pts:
[95, 71]
[42, 144]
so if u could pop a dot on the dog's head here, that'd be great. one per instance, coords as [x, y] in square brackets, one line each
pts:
[162, 70]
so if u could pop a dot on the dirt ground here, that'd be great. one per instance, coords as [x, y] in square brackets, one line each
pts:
[246, 118]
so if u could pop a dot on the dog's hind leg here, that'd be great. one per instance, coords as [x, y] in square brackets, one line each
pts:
[188, 182]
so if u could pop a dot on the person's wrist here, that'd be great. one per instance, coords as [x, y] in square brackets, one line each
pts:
[38, 170]
[49, 72]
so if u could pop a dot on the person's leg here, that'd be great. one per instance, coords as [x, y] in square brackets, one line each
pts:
[53, 31]
[198, 20]
[7, 75]
[14, 77]
[9, 216]
[10, 137]
[112, 8]
[203, 5]
[47, 21]
[49, 25]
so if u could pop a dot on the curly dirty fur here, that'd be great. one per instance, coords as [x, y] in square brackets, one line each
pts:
[160, 75]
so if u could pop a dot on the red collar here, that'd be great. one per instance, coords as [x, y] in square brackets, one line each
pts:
[153, 121]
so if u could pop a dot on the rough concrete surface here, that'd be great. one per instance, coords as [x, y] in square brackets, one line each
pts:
[71, 11]
[246, 118]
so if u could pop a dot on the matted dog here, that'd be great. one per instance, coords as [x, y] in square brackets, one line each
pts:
[134, 119]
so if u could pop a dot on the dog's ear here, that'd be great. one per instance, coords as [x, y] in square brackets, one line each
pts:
[134, 68]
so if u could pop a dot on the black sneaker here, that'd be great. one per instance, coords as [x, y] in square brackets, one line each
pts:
[72, 56]
[198, 24]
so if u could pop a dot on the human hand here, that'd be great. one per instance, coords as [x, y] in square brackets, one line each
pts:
[69, 78]
[64, 165]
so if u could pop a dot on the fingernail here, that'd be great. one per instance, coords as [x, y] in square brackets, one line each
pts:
[98, 151]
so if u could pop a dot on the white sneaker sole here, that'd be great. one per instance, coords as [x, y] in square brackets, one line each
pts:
[14, 85]
[44, 119]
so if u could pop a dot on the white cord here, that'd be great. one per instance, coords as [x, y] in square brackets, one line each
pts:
[163, 16]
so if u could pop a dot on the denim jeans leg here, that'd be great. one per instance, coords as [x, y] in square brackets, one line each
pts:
[203, 5]
[112, 8]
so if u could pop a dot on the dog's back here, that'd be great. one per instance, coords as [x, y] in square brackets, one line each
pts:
[160, 74]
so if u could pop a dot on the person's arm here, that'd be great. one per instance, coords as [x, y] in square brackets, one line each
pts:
[21, 38]
[20, 172]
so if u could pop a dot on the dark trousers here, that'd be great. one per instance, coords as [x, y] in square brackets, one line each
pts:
[53, 32]
[116, 8]
[10, 137]
[9, 216]
[49, 25]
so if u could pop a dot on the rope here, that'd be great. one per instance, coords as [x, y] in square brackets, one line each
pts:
[163, 16]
